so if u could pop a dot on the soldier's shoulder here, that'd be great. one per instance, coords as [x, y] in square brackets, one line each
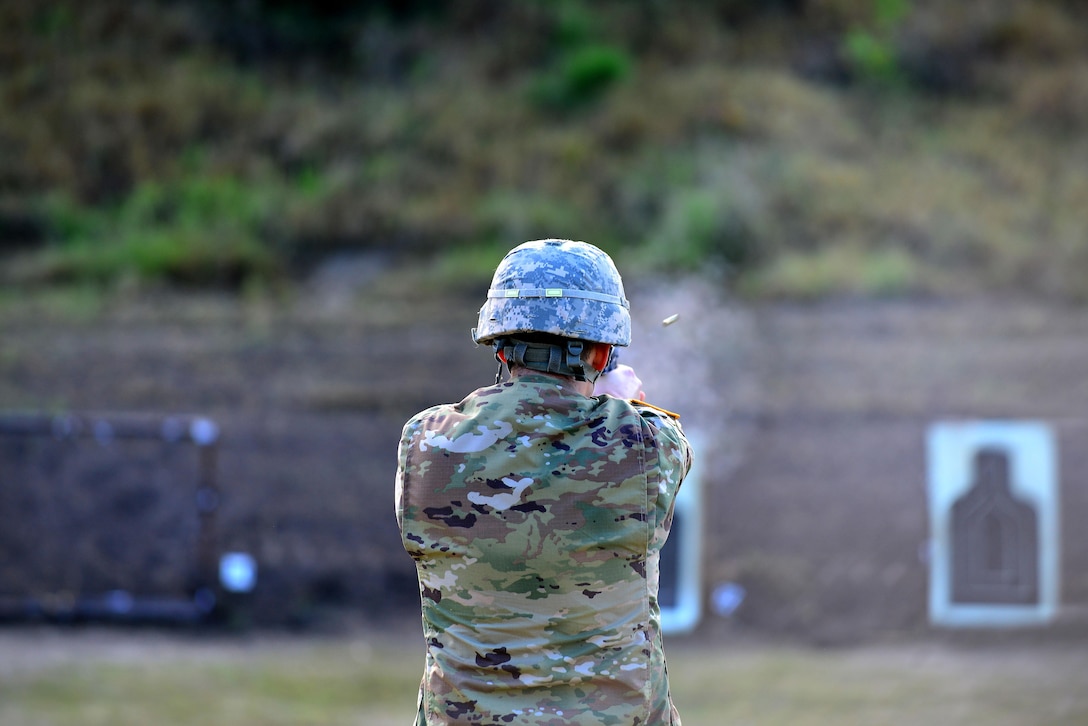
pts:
[648, 408]
[428, 418]
[429, 412]
[474, 398]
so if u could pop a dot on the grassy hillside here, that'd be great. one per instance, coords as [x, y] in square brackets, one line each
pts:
[796, 148]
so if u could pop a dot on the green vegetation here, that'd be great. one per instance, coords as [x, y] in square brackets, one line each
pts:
[313, 683]
[198, 230]
[871, 52]
[797, 149]
[321, 685]
[581, 78]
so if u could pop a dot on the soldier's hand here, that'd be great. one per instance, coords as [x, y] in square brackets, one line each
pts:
[620, 382]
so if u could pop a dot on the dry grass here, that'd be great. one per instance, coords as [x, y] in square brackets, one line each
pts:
[54, 678]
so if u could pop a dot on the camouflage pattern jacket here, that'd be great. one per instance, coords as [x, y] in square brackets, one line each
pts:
[535, 516]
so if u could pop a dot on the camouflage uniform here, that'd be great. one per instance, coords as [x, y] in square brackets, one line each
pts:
[535, 516]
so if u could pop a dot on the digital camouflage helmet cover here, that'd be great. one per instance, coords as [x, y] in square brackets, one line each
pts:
[560, 287]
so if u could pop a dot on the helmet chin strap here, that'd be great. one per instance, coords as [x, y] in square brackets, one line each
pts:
[564, 361]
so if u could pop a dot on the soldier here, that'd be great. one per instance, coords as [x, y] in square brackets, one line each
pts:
[535, 511]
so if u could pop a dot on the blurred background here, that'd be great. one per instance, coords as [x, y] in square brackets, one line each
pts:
[241, 242]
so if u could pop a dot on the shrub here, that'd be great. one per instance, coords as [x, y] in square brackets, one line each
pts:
[872, 58]
[699, 229]
[582, 76]
[202, 231]
[870, 51]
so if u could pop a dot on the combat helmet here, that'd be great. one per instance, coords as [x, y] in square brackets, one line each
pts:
[560, 288]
